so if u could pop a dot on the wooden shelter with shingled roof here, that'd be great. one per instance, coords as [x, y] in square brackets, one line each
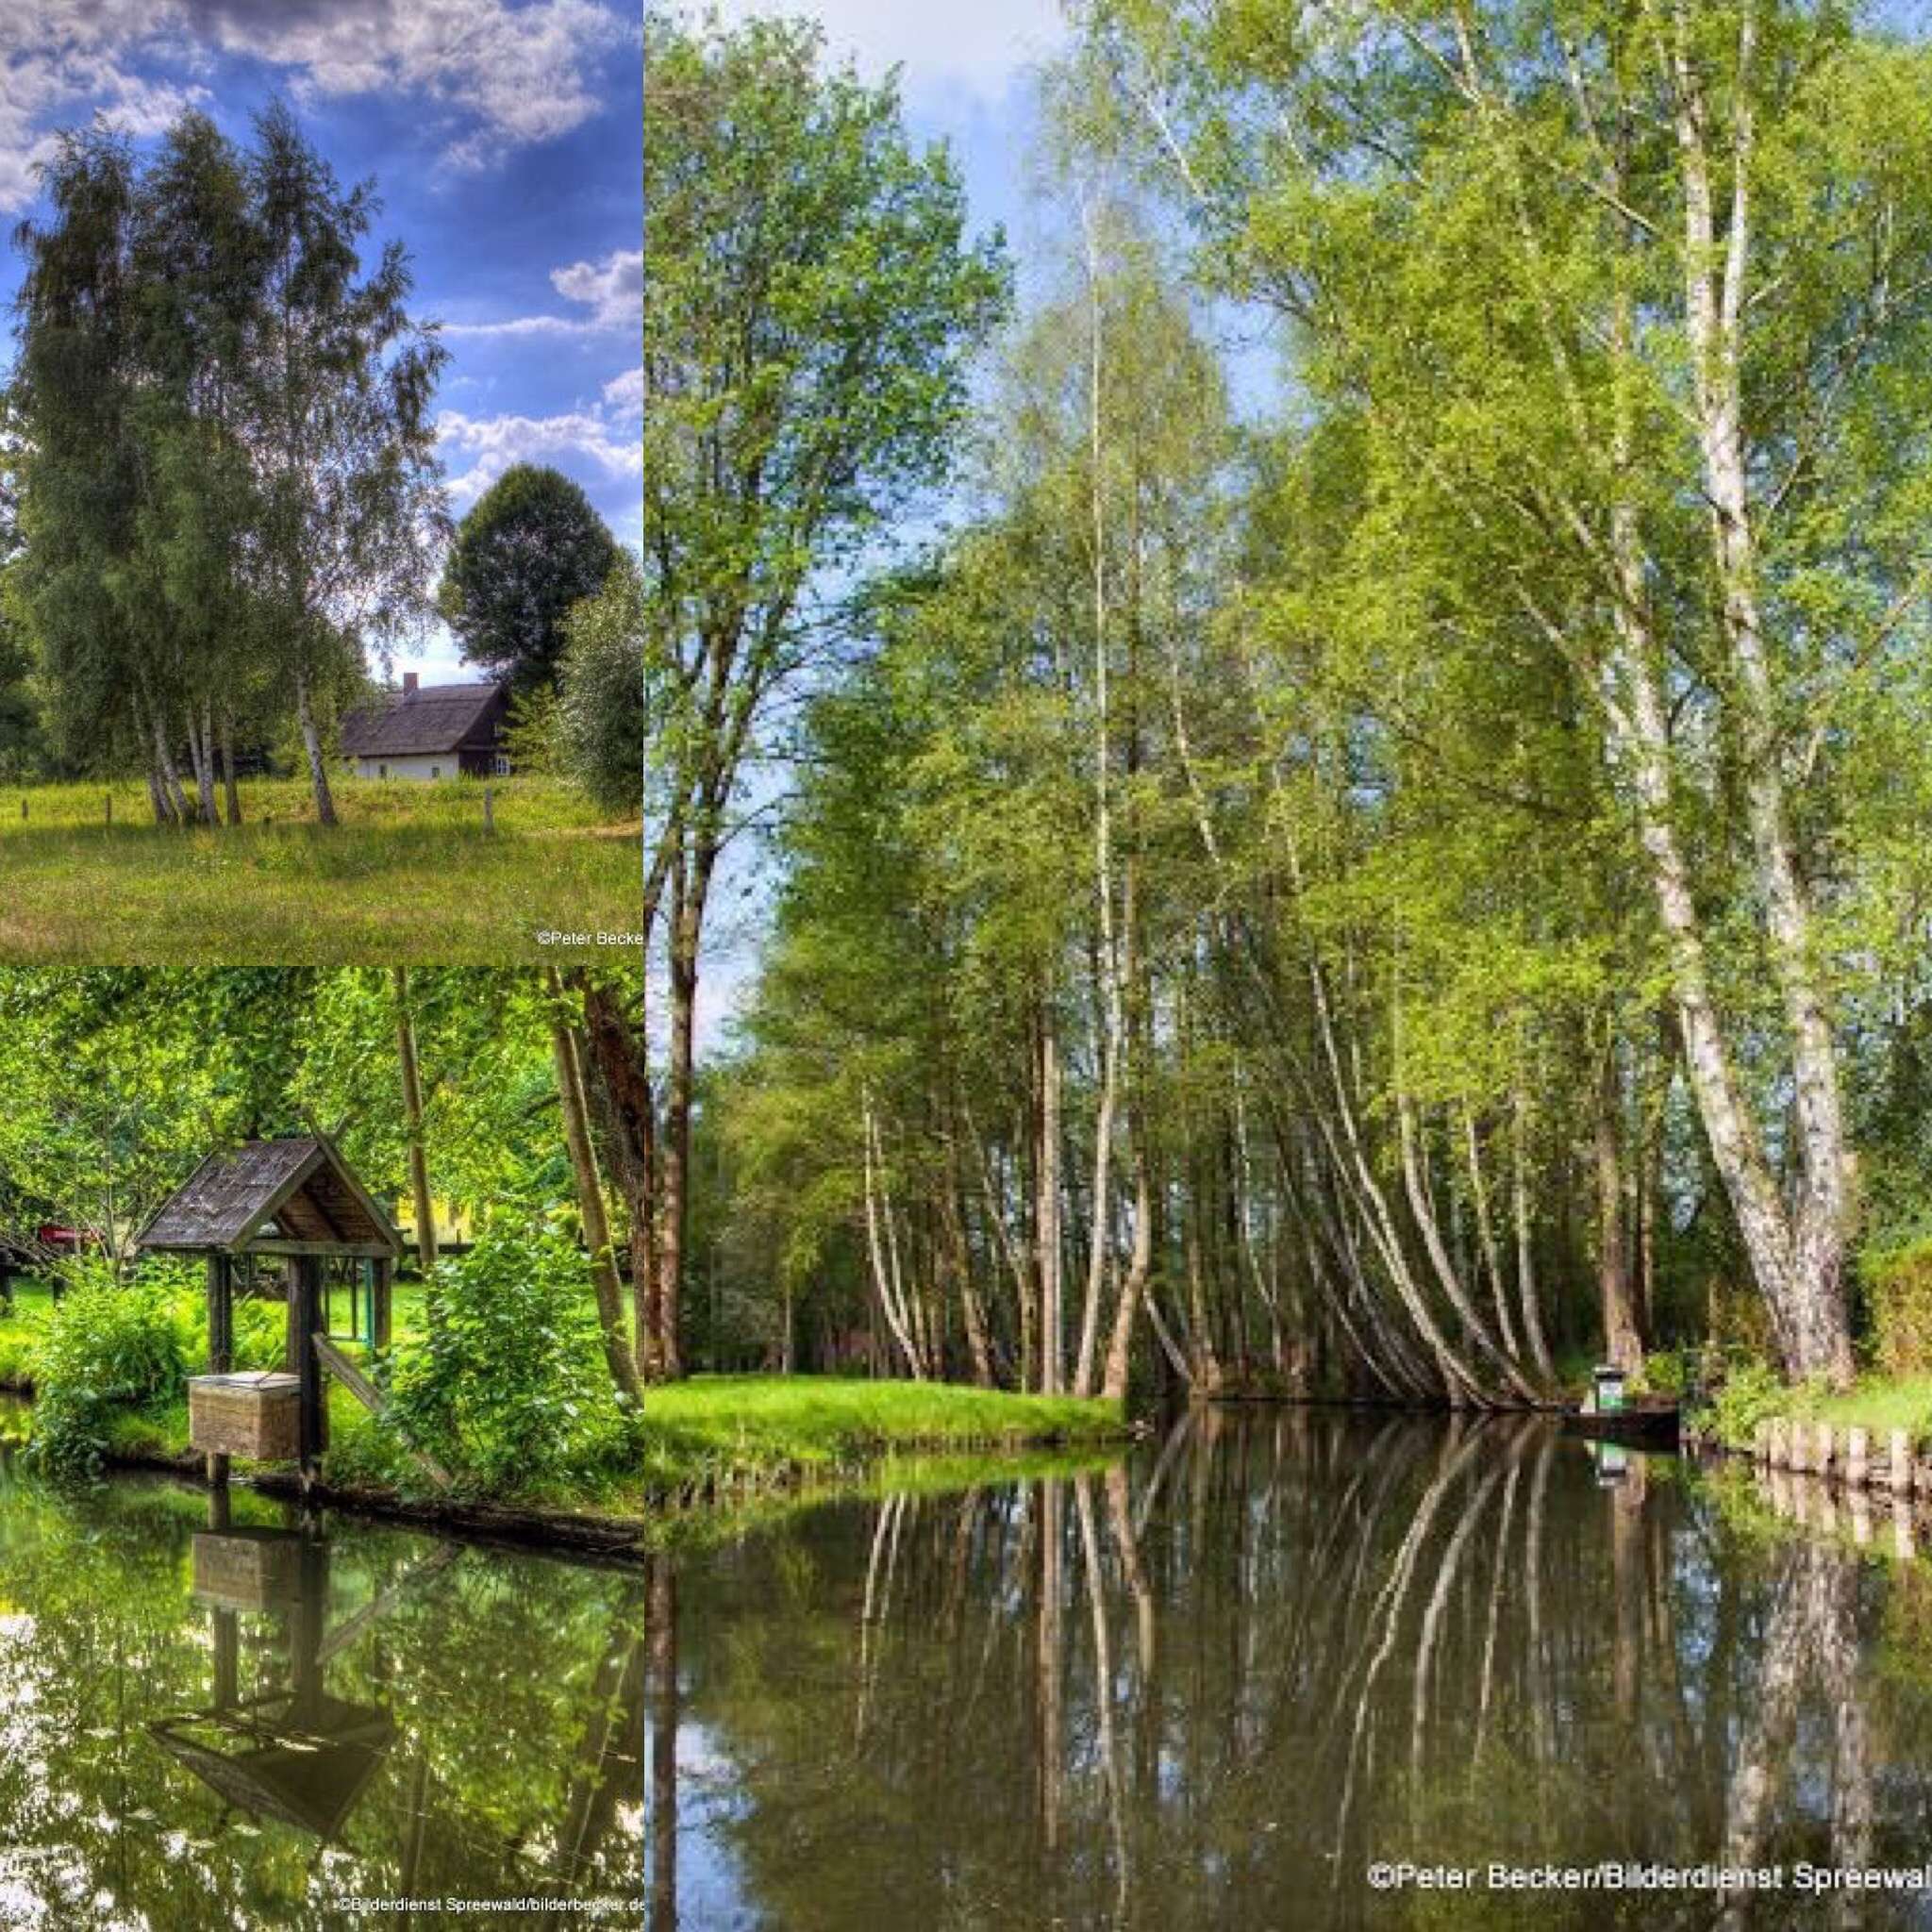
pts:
[299, 1200]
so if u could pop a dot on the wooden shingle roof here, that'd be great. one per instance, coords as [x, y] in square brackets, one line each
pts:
[437, 718]
[291, 1196]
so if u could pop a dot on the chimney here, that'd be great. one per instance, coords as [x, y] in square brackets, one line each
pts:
[408, 684]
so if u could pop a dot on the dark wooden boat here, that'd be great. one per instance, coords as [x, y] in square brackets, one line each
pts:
[1644, 1422]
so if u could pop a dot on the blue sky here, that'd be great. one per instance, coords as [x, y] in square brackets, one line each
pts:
[504, 137]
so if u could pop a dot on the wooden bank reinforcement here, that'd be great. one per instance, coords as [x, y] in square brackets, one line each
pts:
[1861, 1467]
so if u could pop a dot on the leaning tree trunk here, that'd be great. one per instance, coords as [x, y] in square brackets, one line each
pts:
[617, 1059]
[311, 743]
[583, 1161]
[413, 1123]
[170, 773]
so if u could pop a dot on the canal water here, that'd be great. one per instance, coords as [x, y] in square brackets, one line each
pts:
[1216, 1687]
[261, 1722]
[1221, 1682]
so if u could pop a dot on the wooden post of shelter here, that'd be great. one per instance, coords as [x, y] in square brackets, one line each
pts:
[221, 1343]
[382, 1295]
[306, 1321]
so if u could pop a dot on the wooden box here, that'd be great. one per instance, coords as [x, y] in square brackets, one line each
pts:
[240, 1569]
[257, 1414]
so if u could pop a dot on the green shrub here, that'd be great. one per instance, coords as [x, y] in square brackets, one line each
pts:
[1750, 1392]
[1898, 1294]
[109, 1347]
[260, 1334]
[508, 1386]
[1668, 1372]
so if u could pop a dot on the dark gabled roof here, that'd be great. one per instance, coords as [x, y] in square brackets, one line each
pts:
[268, 1192]
[308, 1773]
[437, 718]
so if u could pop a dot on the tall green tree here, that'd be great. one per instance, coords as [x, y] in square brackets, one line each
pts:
[69, 408]
[335, 409]
[600, 713]
[227, 483]
[810, 298]
[1635, 302]
[529, 550]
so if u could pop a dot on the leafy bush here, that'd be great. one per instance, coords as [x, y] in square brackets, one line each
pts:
[260, 1334]
[109, 1348]
[508, 1387]
[1666, 1371]
[601, 718]
[1898, 1294]
[1750, 1392]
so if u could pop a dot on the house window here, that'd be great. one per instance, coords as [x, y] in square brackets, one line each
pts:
[382, 770]
[436, 771]
[500, 764]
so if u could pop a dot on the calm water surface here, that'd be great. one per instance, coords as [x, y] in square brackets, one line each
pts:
[251, 1725]
[1209, 1688]
[1205, 1687]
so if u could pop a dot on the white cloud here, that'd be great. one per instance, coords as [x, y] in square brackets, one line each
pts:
[612, 290]
[980, 45]
[520, 74]
[503, 75]
[623, 395]
[522, 325]
[64, 73]
[607, 438]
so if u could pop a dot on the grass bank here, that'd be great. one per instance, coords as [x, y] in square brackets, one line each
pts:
[715, 1435]
[409, 875]
[744, 1442]
[1877, 1402]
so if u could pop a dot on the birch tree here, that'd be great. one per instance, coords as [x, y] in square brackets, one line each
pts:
[1622, 296]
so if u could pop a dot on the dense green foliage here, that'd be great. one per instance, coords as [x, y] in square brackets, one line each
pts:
[223, 452]
[111, 1347]
[531, 548]
[599, 720]
[1414, 881]
[506, 1385]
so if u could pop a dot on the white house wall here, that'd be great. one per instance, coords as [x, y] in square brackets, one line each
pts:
[443, 765]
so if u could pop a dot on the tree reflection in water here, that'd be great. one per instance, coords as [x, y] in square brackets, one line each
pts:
[214, 1723]
[1207, 1688]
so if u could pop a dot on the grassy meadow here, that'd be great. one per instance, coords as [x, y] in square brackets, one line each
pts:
[409, 875]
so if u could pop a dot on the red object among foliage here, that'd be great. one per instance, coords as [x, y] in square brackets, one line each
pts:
[65, 1240]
